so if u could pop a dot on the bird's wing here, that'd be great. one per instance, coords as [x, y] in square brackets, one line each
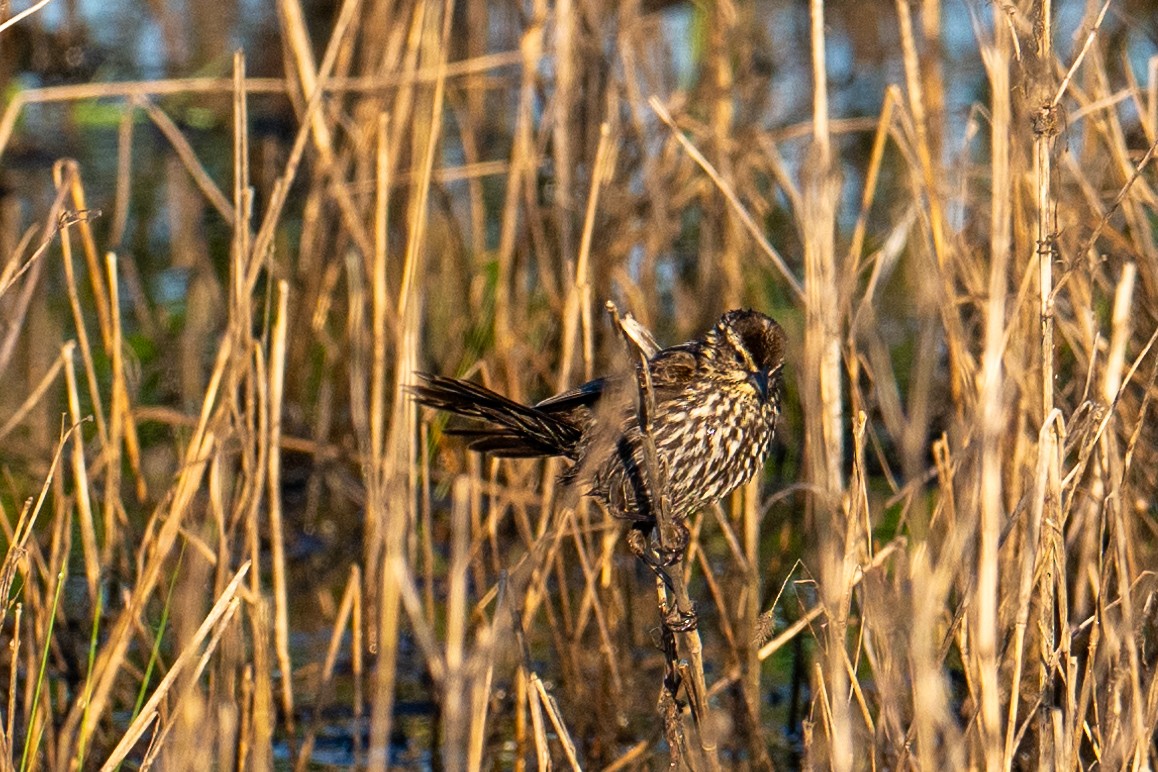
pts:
[585, 396]
[673, 369]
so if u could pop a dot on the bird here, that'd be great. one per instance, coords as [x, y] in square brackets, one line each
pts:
[717, 400]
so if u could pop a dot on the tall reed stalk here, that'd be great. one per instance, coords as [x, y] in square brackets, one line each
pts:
[229, 535]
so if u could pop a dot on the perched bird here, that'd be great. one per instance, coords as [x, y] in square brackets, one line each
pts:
[717, 399]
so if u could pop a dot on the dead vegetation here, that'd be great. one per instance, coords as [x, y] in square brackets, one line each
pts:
[230, 535]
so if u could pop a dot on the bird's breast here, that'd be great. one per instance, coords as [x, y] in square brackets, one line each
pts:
[709, 440]
[712, 441]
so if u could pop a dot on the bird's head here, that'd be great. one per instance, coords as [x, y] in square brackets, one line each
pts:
[748, 348]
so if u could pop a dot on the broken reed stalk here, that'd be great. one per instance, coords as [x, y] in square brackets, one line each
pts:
[679, 609]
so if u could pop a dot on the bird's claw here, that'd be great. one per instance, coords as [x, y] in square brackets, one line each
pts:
[658, 557]
[673, 544]
[679, 621]
[637, 543]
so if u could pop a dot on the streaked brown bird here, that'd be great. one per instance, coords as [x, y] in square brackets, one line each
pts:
[717, 399]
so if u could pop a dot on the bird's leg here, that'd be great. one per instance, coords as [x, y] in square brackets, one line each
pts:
[654, 556]
[638, 541]
[674, 538]
[670, 547]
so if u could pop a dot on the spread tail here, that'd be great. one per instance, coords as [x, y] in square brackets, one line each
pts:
[509, 429]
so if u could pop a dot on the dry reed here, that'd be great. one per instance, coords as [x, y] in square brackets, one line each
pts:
[948, 565]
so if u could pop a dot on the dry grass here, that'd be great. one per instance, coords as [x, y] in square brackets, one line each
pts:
[230, 534]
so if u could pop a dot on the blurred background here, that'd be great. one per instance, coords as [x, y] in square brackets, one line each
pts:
[230, 232]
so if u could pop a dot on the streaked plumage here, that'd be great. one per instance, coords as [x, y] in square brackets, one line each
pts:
[717, 402]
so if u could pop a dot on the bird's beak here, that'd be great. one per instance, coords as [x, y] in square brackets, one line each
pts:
[759, 381]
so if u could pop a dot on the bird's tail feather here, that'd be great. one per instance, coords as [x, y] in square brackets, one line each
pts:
[511, 429]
